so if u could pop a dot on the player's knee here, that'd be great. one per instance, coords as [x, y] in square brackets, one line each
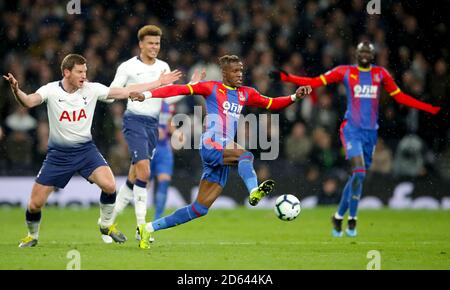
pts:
[35, 206]
[246, 155]
[358, 178]
[142, 172]
[199, 209]
[109, 187]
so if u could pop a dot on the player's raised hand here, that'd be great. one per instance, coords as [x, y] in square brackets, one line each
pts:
[12, 81]
[136, 96]
[168, 78]
[303, 91]
[276, 74]
[196, 76]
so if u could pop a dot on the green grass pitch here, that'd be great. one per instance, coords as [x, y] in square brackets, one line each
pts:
[234, 239]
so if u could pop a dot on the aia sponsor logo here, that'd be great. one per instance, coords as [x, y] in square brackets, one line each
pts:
[73, 116]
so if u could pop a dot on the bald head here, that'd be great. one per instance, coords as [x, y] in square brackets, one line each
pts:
[365, 54]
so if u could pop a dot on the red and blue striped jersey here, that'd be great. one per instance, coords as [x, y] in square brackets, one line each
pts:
[363, 91]
[224, 104]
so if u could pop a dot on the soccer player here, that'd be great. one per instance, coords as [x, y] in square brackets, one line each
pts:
[70, 104]
[140, 122]
[162, 162]
[224, 103]
[358, 131]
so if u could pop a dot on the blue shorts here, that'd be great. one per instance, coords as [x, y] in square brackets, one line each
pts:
[162, 162]
[211, 153]
[358, 142]
[141, 134]
[61, 164]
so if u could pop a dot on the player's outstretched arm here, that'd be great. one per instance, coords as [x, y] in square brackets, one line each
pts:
[333, 76]
[409, 101]
[255, 99]
[134, 91]
[400, 97]
[28, 101]
[201, 88]
[163, 80]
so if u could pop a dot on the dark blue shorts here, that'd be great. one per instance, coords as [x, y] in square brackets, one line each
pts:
[61, 164]
[162, 162]
[141, 134]
[211, 153]
[358, 142]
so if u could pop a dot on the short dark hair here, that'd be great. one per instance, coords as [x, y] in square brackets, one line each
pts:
[227, 59]
[70, 61]
[151, 30]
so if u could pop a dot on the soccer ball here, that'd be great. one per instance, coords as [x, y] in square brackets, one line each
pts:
[287, 207]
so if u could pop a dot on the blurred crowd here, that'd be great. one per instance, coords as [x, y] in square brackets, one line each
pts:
[302, 37]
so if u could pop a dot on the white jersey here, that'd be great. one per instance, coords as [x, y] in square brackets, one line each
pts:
[134, 71]
[70, 115]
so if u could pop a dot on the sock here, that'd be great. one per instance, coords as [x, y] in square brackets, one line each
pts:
[246, 171]
[180, 216]
[345, 199]
[107, 202]
[124, 196]
[33, 220]
[140, 201]
[356, 191]
[160, 198]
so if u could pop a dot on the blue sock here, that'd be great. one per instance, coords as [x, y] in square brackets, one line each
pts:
[356, 191]
[106, 198]
[129, 184]
[246, 171]
[345, 198]
[180, 216]
[161, 197]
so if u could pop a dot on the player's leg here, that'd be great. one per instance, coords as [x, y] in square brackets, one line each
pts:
[125, 194]
[38, 198]
[354, 193]
[207, 194]
[161, 194]
[213, 180]
[359, 172]
[162, 167]
[142, 169]
[352, 142]
[236, 155]
[104, 178]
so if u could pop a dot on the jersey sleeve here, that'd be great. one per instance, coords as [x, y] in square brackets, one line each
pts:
[121, 77]
[255, 99]
[200, 88]
[100, 91]
[335, 75]
[43, 92]
[388, 83]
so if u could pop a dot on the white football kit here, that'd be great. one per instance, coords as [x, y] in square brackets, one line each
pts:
[70, 146]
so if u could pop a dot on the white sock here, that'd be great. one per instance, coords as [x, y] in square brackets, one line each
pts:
[106, 214]
[337, 216]
[140, 203]
[33, 229]
[124, 196]
[149, 227]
